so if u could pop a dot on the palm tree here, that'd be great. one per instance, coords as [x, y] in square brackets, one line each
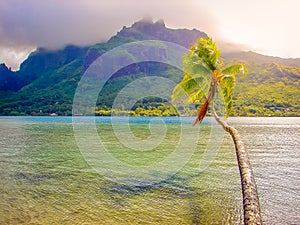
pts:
[204, 77]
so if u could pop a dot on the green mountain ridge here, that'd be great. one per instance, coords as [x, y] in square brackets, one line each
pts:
[262, 59]
[47, 80]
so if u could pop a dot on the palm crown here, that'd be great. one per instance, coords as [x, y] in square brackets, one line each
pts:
[204, 76]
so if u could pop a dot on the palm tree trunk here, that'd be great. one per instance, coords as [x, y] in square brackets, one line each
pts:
[252, 214]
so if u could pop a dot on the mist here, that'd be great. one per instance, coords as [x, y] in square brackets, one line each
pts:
[55, 23]
[52, 24]
[28, 24]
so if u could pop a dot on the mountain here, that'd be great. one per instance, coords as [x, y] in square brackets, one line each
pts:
[47, 80]
[144, 30]
[8, 80]
[262, 59]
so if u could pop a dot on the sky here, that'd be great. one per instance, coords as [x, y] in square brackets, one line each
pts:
[268, 27]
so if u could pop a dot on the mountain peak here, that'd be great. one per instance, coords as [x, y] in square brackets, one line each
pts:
[147, 29]
[4, 67]
[146, 19]
[147, 23]
[161, 22]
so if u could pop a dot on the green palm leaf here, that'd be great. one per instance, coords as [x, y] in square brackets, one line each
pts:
[227, 83]
[194, 66]
[227, 86]
[196, 96]
[190, 87]
[235, 70]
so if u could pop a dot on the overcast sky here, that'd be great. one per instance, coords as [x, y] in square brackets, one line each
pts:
[266, 26]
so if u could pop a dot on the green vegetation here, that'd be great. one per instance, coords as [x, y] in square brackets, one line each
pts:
[268, 90]
[161, 110]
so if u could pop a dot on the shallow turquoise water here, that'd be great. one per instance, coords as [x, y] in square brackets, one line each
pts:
[45, 178]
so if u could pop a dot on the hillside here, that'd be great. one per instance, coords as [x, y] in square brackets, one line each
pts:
[47, 80]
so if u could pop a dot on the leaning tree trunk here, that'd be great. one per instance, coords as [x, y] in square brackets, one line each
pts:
[251, 205]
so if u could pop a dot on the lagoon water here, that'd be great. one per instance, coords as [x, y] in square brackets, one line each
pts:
[47, 177]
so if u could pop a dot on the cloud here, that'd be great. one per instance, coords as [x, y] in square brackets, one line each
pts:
[255, 25]
[27, 24]
[13, 56]
[54, 23]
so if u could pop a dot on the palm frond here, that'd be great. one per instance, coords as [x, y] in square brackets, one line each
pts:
[235, 70]
[196, 96]
[227, 83]
[201, 112]
[207, 50]
[194, 66]
[195, 89]
[227, 86]
[185, 87]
